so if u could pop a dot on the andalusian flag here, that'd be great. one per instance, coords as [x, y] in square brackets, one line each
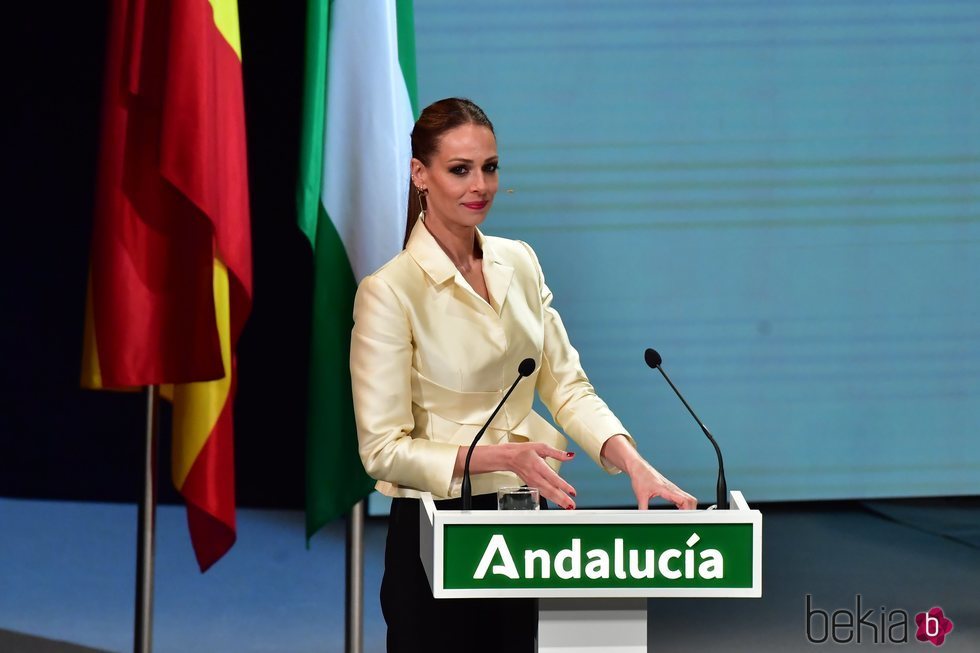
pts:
[170, 281]
[353, 192]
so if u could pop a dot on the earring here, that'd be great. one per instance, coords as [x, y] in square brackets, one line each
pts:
[421, 194]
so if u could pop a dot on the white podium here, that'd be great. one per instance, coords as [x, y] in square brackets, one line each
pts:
[592, 570]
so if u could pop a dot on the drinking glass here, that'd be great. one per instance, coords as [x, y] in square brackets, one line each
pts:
[518, 498]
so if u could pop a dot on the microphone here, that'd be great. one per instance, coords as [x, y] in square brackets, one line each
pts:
[526, 368]
[654, 360]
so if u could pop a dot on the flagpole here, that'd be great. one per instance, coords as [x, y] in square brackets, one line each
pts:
[355, 579]
[146, 536]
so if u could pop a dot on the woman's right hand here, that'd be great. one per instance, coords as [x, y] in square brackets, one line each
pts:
[527, 460]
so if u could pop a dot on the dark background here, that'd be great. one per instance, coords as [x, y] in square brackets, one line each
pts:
[56, 440]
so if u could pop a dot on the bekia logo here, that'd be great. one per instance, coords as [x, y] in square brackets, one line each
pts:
[933, 626]
[879, 626]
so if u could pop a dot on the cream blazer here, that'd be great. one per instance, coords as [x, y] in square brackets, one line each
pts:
[430, 359]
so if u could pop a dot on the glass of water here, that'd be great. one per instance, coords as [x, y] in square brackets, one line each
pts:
[518, 498]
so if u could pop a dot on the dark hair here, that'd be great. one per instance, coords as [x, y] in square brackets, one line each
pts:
[437, 119]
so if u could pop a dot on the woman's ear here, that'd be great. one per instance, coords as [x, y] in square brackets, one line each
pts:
[419, 174]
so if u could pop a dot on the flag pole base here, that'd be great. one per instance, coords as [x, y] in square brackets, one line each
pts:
[354, 632]
[146, 533]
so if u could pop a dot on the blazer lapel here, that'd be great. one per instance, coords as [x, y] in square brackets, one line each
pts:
[496, 273]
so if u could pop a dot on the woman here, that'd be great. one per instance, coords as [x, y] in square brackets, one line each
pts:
[439, 332]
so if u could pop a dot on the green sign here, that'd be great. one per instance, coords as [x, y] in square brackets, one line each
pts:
[579, 556]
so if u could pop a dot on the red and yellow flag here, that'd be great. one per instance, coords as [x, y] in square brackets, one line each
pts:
[170, 282]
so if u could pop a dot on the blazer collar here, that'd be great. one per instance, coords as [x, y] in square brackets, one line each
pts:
[430, 257]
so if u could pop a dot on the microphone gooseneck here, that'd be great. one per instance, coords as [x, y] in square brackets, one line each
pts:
[526, 368]
[654, 360]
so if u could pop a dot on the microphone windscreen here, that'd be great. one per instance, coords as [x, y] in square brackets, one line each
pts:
[526, 368]
[652, 358]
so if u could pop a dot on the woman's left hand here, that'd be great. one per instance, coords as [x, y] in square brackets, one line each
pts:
[647, 482]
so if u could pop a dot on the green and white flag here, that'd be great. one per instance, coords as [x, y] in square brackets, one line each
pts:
[352, 198]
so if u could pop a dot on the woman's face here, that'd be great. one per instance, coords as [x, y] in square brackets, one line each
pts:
[461, 178]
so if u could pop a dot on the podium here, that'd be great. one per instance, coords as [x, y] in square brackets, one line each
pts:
[592, 570]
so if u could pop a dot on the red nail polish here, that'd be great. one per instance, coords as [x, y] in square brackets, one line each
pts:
[571, 454]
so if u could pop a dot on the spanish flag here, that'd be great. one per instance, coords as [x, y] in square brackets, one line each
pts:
[170, 279]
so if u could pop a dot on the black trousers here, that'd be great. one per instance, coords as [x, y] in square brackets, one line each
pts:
[417, 622]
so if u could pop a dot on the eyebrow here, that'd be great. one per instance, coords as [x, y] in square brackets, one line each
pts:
[461, 160]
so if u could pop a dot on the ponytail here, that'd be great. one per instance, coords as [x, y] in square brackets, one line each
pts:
[415, 207]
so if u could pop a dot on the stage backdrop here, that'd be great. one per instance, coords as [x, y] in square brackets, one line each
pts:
[779, 196]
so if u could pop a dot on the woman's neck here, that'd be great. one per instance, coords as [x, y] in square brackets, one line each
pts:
[458, 242]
